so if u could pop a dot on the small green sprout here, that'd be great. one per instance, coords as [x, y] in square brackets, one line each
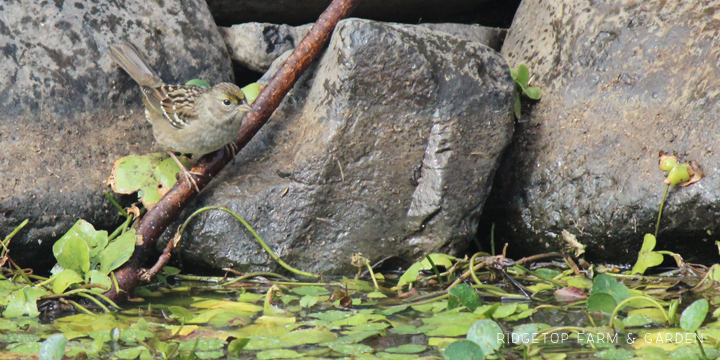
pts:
[522, 79]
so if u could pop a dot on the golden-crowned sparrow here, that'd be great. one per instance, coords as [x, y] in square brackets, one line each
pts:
[185, 118]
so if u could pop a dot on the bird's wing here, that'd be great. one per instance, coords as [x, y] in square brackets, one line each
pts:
[175, 102]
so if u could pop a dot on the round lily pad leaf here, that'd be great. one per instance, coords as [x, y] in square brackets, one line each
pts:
[464, 350]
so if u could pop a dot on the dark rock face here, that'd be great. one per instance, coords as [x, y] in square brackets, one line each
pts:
[387, 147]
[621, 83]
[67, 112]
[257, 45]
[487, 12]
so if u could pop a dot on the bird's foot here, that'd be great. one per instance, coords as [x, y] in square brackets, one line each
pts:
[188, 174]
[232, 149]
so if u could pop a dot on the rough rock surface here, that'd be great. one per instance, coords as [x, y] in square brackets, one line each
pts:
[622, 81]
[388, 147]
[487, 12]
[257, 45]
[67, 112]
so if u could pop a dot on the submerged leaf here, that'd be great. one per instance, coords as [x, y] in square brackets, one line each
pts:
[53, 347]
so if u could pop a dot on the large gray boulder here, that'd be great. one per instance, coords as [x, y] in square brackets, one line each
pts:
[257, 45]
[387, 146]
[621, 83]
[67, 113]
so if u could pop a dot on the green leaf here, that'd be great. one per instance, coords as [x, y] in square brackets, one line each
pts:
[182, 314]
[411, 273]
[464, 350]
[308, 300]
[98, 278]
[165, 173]
[525, 334]
[351, 349]
[647, 257]
[485, 333]
[513, 74]
[533, 92]
[24, 302]
[236, 345]
[64, 279]
[53, 347]
[72, 253]
[198, 82]
[607, 284]
[523, 75]
[694, 315]
[131, 173]
[203, 344]
[117, 252]
[169, 271]
[407, 349]
[130, 353]
[251, 92]
[464, 294]
[278, 354]
[517, 105]
[311, 290]
[603, 302]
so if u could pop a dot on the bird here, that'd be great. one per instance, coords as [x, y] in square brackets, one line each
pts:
[187, 119]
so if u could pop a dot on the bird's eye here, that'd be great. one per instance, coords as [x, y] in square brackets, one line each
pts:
[227, 102]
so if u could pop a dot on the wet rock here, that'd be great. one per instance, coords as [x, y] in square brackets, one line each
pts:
[387, 146]
[487, 12]
[621, 83]
[257, 45]
[67, 112]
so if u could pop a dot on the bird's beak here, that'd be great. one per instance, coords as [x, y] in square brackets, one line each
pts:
[244, 107]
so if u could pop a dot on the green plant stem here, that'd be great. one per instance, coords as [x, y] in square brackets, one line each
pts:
[649, 299]
[699, 342]
[96, 301]
[121, 229]
[115, 203]
[22, 274]
[107, 300]
[472, 269]
[445, 296]
[252, 275]
[492, 239]
[80, 307]
[6, 242]
[662, 204]
[435, 269]
[257, 237]
[552, 281]
[372, 275]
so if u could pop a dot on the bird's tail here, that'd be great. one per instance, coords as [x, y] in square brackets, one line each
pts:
[129, 58]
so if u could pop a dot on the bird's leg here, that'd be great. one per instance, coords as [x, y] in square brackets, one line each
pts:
[231, 148]
[186, 173]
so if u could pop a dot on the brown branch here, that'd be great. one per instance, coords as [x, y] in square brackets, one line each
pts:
[157, 219]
